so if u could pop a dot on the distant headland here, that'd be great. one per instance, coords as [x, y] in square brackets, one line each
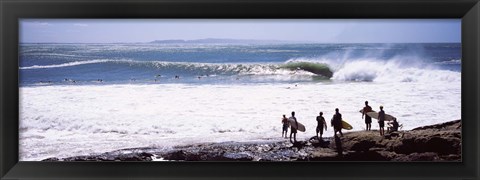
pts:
[220, 41]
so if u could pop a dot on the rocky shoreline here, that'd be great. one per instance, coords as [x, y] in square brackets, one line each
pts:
[439, 142]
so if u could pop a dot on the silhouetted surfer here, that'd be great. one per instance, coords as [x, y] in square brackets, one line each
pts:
[285, 126]
[293, 130]
[337, 122]
[368, 119]
[393, 126]
[321, 124]
[381, 121]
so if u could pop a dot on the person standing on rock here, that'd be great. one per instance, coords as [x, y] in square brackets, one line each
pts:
[368, 119]
[337, 123]
[321, 124]
[285, 126]
[381, 121]
[293, 130]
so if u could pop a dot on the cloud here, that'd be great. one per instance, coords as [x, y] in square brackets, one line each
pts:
[80, 25]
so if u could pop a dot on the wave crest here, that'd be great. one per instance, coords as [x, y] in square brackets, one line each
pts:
[391, 71]
[289, 68]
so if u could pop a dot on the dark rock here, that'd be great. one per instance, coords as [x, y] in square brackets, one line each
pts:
[363, 145]
[427, 156]
[440, 145]
[176, 155]
[365, 156]
[238, 156]
[51, 159]
[451, 124]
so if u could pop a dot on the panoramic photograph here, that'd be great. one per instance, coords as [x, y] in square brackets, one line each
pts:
[240, 90]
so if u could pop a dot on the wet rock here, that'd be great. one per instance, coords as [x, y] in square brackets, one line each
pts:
[238, 156]
[51, 159]
[427, 156]
[175, 155]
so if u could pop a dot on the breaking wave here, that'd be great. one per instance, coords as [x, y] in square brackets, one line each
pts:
[288, 68]
[357, 70]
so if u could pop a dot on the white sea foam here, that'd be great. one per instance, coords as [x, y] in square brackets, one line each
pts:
[60, 121]
[392, 71]
[75, 63]
[452, 61]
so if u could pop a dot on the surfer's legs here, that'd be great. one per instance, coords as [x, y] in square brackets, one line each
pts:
[291, 137]
[294, 137]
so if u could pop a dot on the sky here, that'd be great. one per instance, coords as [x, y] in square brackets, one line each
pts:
[299, 30]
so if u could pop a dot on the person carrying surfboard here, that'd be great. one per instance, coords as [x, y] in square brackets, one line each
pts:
[337, 123]
[368, 119]
[381, 121]
[321, 124]
[293, 130]
[285, 126]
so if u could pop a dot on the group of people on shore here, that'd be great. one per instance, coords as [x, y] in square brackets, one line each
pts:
[336, 123]
[393, 125]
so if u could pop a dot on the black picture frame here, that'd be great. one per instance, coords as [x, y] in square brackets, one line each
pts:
[12, 10]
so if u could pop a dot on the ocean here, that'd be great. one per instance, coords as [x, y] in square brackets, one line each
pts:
[79, 99]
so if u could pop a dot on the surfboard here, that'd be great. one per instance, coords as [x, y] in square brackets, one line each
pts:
[346, 126]
[374, 115]
[361, 110]
[300, 127]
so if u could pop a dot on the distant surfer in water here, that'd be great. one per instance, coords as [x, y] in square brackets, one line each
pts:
[321, 124]
[368, 119]
[285, 126]
[337, 123]
[293, 130]
[381, 121]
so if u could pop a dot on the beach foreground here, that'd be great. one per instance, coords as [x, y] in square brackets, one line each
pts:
[439, 142]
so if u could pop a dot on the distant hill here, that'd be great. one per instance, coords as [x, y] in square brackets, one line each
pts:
[218, 41]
